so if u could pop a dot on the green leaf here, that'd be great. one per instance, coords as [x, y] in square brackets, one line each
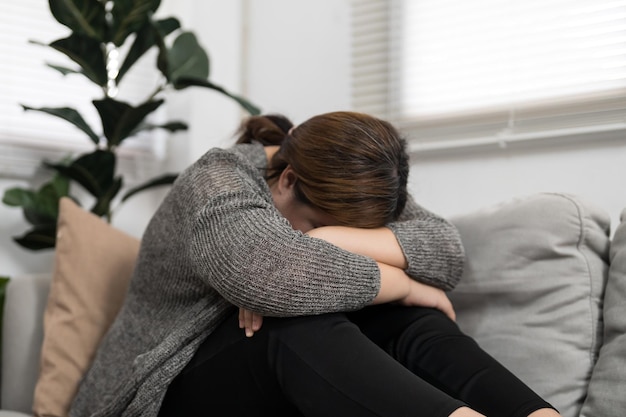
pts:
[146, 38]
[39, 213]
[37, 216]
[120, 119]
[102, 207]
[40, 43]
[187, 82]
[61, 185]
[162, 58]
[93, 171]
[87, 53]
[47, 200]
[129, 16]
[39, 237]
[155, 182]
[71, 115]
[111, 113]
[170, 127]
[86, 17]
[18, 197]
[40, 206]
[165, 26]
[101, 165]
[44, 207]
[80, 175]
[186, 59]
[63, 70]
[43, 211]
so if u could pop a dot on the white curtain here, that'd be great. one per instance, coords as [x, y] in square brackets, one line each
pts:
[464, 72]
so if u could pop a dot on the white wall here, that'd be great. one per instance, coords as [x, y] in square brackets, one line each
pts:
[212, 117]
[298, 56]
[458, 183]
[292, 57]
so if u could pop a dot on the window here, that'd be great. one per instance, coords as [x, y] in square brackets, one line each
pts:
[460, 73]
[28, 137]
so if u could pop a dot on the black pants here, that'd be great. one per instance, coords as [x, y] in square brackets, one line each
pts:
[381, 361]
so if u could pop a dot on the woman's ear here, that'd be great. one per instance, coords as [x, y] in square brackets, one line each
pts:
[287, 180]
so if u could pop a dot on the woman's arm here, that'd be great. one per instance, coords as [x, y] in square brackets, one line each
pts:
[396, 286]
[243, 248]
[379, 244]
[431, 245]
[423, 244]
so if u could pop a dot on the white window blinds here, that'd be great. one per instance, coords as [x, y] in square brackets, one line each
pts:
[28, 137]
[465, 73]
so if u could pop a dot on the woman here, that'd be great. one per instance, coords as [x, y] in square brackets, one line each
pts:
[292, 275]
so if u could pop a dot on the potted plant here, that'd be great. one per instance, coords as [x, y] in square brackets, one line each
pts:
[99, 29]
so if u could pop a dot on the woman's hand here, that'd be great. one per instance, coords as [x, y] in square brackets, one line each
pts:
[426, 296]
[397, 287]
[249, 321]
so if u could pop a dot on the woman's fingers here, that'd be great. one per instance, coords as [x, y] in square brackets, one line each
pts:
[249, 321]
[424, 295]
[447, 308]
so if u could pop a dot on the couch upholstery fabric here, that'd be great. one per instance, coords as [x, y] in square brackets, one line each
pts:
[607, 389]
[532, 288]
[21, 340]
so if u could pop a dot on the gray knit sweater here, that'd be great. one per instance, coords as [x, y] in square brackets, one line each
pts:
[217, 242]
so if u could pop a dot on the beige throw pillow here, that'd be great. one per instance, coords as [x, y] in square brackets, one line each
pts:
[93, 265]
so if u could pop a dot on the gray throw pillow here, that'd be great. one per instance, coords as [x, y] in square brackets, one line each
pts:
[607, 390]
[532, 287]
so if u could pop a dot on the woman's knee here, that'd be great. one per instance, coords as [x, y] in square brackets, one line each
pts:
[427, 334]
[385, 324]
[307, 328]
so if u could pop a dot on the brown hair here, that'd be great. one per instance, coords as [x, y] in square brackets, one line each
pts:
[350, 165]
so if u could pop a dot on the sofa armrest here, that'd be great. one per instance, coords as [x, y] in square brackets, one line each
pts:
[22, 336]
[6, 413]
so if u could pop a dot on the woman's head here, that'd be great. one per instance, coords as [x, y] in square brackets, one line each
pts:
[351, 166]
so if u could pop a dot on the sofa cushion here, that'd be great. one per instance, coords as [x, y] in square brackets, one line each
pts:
[7, 413]
[93, 265]
[3, 285]
[22, 334]
[531, 290]
[607, 390]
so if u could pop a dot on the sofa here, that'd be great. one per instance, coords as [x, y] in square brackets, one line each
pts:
[544, 291]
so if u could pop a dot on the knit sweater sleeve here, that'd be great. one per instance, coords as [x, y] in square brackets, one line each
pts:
[243, 247]
[431, 246]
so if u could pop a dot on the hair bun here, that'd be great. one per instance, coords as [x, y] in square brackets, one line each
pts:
[269, 129]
